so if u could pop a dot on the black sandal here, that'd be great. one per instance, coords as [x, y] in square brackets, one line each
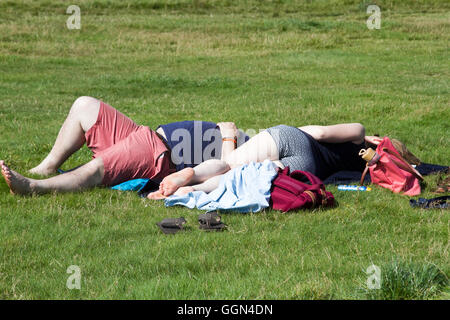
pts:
[434, 203]
[211, 221]
[171, 225]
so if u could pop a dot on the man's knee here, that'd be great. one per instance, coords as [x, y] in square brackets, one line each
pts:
[85, 110]
[85, 104]
[96, 171]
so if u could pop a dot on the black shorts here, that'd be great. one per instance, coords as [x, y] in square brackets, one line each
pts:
[295, 148]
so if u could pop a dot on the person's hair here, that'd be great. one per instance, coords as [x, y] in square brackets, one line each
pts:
[404, 152]
[401, 148]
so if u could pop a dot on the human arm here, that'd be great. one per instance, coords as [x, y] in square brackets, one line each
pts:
[338, 133]
[373, 140]
[229, 133]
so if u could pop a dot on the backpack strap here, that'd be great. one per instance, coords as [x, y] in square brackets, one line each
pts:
[313, 197]
[284, 171]
[298, 174]
[292, 185]
[363, 176]
[404, 164]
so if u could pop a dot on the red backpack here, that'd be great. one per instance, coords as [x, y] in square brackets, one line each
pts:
[289, 193]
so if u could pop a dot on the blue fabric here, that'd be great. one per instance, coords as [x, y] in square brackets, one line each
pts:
[131, 185]
[243, 189]
[197, 141]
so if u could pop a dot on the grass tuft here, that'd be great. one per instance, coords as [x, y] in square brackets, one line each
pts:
[406, 280]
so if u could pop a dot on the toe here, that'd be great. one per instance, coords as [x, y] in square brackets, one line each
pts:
[155, 196]
[167, 191]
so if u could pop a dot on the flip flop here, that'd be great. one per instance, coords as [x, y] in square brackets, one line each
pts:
[211, 221]
[171, 225]
[434, 203]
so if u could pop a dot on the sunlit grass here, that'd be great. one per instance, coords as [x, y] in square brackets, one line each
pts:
[255, 63]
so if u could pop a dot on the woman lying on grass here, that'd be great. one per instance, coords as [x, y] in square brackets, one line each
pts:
[122, 150]
[321, 150]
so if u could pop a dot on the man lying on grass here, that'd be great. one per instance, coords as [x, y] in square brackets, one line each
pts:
[122, 150]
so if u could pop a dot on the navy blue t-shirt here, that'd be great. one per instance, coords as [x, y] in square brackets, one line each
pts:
[192, 142]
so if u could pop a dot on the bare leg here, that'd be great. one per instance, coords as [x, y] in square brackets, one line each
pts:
[189, 176]
[87, 176]
[257, 149]
[210, 184]
[71, 137]
[207, 186]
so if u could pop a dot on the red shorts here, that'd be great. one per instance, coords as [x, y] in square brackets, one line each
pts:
[128, 151]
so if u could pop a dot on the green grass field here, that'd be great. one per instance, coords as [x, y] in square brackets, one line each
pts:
[259, 64]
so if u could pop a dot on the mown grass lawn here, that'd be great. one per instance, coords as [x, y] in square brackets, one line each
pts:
[255, 63]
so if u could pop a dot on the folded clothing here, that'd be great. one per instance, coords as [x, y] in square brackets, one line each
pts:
[243, 189]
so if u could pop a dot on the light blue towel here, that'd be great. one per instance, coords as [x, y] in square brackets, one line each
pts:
[243, 189]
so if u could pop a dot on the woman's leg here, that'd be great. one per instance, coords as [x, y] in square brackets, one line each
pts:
[207, 186]
[71, 137]
[86, 176]
[211, 184]
[189, 176]
[257, 149]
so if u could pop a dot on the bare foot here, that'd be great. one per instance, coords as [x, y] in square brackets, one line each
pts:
[157, 195]
[172, 182]
[184, 190]
[45, 168]
[17, 183]
[41, 170]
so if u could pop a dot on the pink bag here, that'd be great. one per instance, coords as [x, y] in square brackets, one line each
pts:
[388, 169]
[289, 193]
